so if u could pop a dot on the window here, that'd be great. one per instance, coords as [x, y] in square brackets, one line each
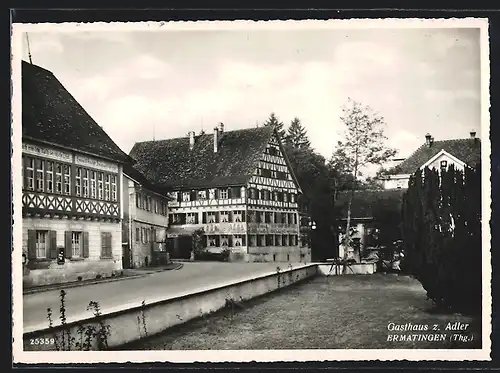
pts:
[41, 244]
[106, 245]
[444, 164]
[237, 216]
[224, 240]
[191, 218]
[202, 194]
[78, 182]
[85, 183]
[137, 235]
[285, 197]
[67, 179]
[223, 194]
[155, 202]
[292, 197]
[93, 184]
[100, 181]
[30, 173]
[49, 176]
[76, 244]
[238, 240]
[113, 188]
[212, 241]
[211, 193]
[211, 217]
[253, 193]
[58, 178]
[224, 216]
[107, 187]
[39, 175]
[186, 196]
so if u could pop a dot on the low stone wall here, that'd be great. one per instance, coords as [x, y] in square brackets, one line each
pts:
[352, 269]
[126, 324]
[50, 272]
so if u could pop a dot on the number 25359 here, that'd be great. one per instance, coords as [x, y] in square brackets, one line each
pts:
[42, 341]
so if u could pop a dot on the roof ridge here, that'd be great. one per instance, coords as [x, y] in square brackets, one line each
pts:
[203, 134]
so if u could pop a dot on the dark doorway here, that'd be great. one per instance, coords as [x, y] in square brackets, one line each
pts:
[180, 247]
[126, 257]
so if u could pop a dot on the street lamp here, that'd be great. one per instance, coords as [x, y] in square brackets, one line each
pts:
[312, 224]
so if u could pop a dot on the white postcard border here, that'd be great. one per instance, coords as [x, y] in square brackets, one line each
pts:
[20, 356]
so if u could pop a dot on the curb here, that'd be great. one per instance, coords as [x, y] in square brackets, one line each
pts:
[95, 282]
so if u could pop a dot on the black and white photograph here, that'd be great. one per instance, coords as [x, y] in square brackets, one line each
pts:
[231, 191]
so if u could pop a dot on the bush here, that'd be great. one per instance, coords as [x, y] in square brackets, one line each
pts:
[442, 236]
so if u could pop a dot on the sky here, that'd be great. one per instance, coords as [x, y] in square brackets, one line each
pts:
[140, 85]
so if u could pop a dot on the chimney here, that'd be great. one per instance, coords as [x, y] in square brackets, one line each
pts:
[221, 127]
[472, 134]
[216, 139]
[191, 140]
[428, 140]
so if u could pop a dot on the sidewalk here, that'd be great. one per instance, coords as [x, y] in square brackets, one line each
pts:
[127, 275]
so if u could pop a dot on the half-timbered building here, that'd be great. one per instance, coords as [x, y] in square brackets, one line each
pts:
[72, 182]
[145, 221]
[237, 186]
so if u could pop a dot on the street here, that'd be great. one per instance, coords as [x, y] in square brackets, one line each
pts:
[111, 295]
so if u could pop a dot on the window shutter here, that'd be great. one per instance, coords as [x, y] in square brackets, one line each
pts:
[229, 193]
[31, 244]
[243, 216]
[85, 244]
[109, 245]
[230, 216]
[137, 195]
[52, 244]
[230, 241]
[216, 193]
[68, 250]
[243, 240]
[193, 195]
[204, 218]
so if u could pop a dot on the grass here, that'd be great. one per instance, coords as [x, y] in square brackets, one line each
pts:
[338, 312]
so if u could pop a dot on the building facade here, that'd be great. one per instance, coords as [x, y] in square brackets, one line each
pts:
[237, 187]
[145, 221]
[72, 182]
[435, 154]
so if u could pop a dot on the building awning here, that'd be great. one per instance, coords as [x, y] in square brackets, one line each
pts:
[180, 231]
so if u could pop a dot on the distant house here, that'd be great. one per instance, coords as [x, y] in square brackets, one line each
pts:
[435, 154]
[237, 186]
[145, 221]
[72, 182]
[370, 209]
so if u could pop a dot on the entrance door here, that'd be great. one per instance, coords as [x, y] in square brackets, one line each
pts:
[126, 257]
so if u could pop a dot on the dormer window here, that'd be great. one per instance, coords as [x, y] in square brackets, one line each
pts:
[223, 194]
[211, 193]
[202, 194]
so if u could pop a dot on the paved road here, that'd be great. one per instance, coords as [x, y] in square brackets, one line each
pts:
[150, 287]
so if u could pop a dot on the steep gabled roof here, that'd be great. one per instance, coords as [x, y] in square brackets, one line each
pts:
[466, 150]
[171, 164]
[52, 115]
[369, 203]
[130, 171]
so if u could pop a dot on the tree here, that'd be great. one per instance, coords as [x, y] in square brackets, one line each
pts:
[363, 144]
[442, 235]
[273, 121]
[297, 135]
[313, 176]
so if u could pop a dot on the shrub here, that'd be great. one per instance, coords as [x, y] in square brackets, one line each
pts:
[442, 236]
